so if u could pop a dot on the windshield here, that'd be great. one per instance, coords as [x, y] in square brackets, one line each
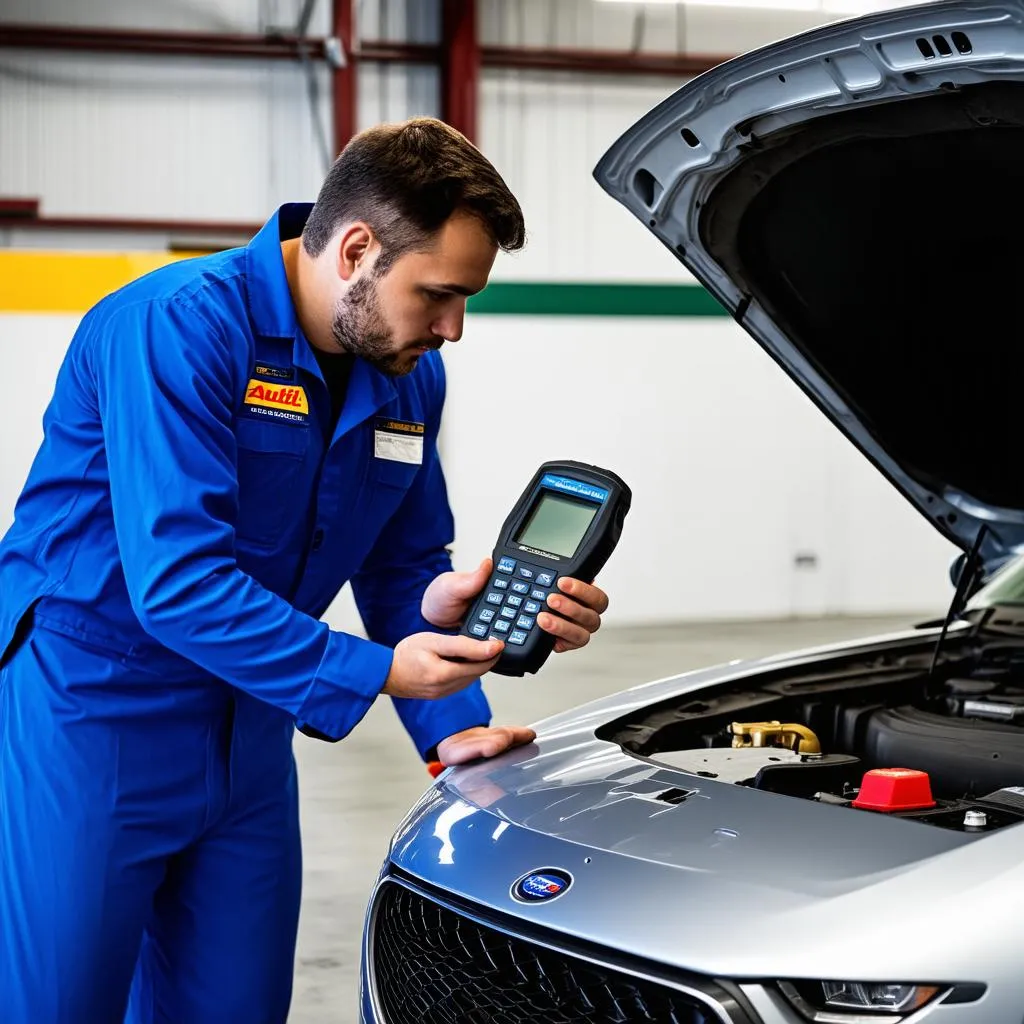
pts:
[1006, 587]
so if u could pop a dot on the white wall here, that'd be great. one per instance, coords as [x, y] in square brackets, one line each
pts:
[734, 473]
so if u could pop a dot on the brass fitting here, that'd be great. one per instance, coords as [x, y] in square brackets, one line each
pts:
[775, 734]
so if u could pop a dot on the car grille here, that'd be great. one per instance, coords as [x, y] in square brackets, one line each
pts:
[434, 966]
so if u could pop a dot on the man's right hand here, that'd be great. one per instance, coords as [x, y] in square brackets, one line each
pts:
[422, 667]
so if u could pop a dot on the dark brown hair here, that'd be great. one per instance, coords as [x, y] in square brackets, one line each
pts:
[405, 180]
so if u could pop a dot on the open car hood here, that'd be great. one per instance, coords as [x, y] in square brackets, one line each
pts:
[853, 197]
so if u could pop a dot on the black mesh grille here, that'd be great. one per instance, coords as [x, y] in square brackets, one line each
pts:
[434, 966]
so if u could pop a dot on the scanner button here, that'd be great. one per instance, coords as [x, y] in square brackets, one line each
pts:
[513, 601]
[478, 629]
[525, 572]
[501, 626]
[531, 607]
[525, 622]
[500, 583]
[494, 598]
[507, 565]
[517, 637]
[545, 579]
[509, 613]
[486, 615]
[518, 587]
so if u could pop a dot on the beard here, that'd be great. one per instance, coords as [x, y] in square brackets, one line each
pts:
[360, 329]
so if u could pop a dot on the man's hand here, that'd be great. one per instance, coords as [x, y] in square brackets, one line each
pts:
[579, 605]
[482, 741]
[420, 667]
[448, 597]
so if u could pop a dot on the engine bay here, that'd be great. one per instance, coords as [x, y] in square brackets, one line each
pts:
[882, 734]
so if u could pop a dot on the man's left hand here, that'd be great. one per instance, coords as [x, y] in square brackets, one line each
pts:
[579, 605]
[482, 741]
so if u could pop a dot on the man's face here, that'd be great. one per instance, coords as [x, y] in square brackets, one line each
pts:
[420, 302]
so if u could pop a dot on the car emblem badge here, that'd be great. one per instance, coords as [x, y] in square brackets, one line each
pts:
[541, 885]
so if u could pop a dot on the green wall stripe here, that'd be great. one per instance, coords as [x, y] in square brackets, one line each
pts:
[530, 298]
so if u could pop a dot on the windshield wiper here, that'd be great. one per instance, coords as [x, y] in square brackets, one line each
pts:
[968, 573]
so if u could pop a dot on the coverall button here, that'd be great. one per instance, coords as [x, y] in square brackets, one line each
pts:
[318, 539]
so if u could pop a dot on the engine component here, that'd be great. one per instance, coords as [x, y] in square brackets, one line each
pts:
[991, 710]
[774, 769]
[894, 789]
[961, 755]
[1012, 797]
[775, 734]
[811, 775]
[725, 764]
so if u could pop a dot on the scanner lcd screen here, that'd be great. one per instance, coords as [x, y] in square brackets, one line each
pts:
[557, 524]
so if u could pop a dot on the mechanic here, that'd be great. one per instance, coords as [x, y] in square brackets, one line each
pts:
[230, 440]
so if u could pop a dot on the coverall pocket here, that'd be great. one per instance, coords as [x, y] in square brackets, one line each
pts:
[390, 473]
[270, 461]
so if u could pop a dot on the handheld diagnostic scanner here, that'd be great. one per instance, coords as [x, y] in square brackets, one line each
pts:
[566, 523]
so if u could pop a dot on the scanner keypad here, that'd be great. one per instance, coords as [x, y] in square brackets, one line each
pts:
[506, 600]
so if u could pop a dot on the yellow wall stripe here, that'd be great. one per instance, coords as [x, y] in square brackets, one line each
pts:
[70, 282]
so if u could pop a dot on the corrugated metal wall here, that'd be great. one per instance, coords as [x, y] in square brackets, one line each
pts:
[162, 137]
[220, 139]
[652, 27]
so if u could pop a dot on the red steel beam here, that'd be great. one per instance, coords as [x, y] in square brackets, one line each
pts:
[15, 206]
[343, 75]
[286, 47]
[384, 52]
[609, 62]
[180, 44]
[214, 228]
[460, 66]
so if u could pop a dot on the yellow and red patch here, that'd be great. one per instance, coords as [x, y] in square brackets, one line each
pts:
[290, 398]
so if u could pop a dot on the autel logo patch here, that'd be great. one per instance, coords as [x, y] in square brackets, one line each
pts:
[277, 402]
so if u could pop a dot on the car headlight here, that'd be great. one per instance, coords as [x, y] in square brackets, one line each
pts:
[857, 1002]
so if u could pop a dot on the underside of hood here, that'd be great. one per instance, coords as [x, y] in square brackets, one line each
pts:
[869, 236]
[889, 246]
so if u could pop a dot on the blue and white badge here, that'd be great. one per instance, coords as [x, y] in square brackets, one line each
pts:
[542, 885]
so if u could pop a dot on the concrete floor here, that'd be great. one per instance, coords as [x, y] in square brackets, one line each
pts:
[355, 792]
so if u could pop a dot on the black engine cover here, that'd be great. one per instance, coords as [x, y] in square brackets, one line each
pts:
[962, 756]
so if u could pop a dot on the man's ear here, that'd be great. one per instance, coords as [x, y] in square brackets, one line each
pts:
[355, 244]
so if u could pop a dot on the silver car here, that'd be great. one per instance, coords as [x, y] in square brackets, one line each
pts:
[833, 835]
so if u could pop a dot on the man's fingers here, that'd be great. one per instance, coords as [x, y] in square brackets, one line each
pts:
[585, 593]
[575, 612]
[521, 735]
[488, 742]
[574, 636]
[467, 648]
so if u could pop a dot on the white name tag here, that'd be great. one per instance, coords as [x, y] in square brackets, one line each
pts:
[399, 441]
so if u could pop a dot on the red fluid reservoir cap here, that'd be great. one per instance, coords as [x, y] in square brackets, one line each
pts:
[894, 789]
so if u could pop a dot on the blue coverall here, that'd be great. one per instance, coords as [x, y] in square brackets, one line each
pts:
[186, 522]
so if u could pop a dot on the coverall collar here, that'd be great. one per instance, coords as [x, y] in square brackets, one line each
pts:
[270, 299]
[274, 316]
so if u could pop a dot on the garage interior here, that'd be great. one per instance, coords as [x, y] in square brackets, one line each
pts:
[134, 135]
